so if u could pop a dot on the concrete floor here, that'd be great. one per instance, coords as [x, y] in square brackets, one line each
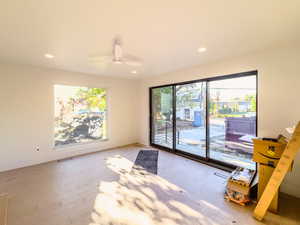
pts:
[98, 189]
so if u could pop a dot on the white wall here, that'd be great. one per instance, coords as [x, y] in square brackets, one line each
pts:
[26, 105]
[278, 100]
[27, 114]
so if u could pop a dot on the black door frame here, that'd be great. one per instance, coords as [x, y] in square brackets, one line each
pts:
[207, 159]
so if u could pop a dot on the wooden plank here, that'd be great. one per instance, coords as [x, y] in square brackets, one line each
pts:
[265, 173]
[278, 175]
[3, 209]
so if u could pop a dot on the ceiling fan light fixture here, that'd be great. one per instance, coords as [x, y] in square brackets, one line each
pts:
[116, 57]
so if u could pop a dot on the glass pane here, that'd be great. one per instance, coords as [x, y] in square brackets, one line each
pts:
[80, 114]
[162, 110]
[190, 118]
[232, 120]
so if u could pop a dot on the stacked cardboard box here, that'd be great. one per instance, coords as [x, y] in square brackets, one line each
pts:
[239, 185]
[267, 153]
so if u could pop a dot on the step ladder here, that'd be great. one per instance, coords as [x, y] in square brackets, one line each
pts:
[278, 175]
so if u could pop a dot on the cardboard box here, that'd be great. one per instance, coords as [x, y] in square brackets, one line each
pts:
[267, 152]
[239, 185]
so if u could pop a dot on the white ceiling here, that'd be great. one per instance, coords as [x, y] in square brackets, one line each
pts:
[164, 33]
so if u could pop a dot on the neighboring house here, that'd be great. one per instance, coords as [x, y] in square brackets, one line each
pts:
[240, 106]
[188, 113]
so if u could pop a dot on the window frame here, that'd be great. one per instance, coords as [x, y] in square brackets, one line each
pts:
[207, 159]
[107, 112]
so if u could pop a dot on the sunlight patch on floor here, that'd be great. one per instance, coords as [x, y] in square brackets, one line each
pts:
[142, 198]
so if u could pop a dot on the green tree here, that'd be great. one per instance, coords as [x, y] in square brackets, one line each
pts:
[157, 98]
[95, 98]
[253, 105]
[252, 100]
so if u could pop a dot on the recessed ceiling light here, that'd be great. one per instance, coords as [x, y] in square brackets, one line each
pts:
[134, 72]
[49, 56]
[202, 49]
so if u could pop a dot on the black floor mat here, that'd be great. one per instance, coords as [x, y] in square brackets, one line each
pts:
[146, 160]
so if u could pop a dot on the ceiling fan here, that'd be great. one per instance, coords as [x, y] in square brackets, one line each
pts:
[117, 57]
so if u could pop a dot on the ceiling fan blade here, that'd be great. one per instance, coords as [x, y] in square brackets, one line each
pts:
[132, 60]
[104, 59]
[100, 62]
[133, 63]
[100, 65]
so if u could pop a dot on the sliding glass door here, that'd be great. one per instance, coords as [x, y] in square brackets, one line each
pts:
[190, 118]
[161, 116]
[232, 120]
[211, 119]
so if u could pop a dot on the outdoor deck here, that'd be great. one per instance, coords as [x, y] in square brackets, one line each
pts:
[193, 141]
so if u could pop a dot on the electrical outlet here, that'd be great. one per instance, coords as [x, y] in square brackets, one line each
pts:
[37, 149]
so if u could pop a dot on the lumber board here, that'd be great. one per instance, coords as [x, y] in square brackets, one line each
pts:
[278, 175]
[265, 173]
[3, 209]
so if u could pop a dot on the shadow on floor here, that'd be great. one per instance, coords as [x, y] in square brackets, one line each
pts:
[143, 198]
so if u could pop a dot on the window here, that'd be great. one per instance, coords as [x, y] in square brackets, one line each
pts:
[213, 119]
[187, 114]
[162, 111]
[80, 114]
